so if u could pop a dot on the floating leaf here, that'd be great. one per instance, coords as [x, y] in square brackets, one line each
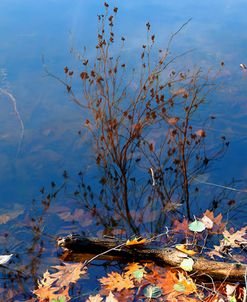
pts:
[5, 258]
[179, 287]
[243, 66]
[152, 292]
[116, 281]
[136, 241]
[207, 222]
[96, 298]
[197, 226]
[136, 271]
[235, 239]
[182, 248]
[60, 299]
[111, 298]
[187, 264]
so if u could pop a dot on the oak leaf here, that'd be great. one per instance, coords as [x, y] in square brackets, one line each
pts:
[218, 225]
[47, 292]
[235, 239]
[68, 273]
[116, 281]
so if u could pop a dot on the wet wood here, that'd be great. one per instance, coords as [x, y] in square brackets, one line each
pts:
[75, 246]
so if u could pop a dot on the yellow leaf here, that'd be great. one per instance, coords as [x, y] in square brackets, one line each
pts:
[182, 248]
[136, 241]
[96, 298]
[111, 298]
[187, 264]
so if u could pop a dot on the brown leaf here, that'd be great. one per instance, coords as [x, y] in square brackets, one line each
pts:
[68, 273]
[235, 239]
[218, 226]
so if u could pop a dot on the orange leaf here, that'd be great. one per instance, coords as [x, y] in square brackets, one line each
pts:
[115, 281]
[47, 292]
[182, 248]
[136, 241]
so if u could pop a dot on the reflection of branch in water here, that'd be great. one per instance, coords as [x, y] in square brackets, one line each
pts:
[217, 185]
[13, 100]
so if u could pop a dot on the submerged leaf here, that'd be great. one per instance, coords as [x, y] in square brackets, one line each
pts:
[152, 292]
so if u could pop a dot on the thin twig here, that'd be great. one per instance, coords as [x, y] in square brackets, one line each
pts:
[13, 100]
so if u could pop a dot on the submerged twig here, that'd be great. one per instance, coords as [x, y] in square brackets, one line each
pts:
[13, 100]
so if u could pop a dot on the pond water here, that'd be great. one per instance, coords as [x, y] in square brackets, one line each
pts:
[39, 139]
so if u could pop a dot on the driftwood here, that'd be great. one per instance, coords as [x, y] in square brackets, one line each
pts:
[75, 245]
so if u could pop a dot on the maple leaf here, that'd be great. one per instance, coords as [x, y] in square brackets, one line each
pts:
[234, 239]
[116, 281]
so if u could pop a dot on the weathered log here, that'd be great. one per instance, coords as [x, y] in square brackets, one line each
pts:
[75, 244]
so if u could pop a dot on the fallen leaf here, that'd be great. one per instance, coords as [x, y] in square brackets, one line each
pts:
[230, 291]
[218, 226]
[135, 271]
[68, 273]
[55, 285]
[235, 239]
[96, 298]
[136, 241]
[243, 66]
[116, 281]
[111, 298]
[182, 248]
[152, 292]
[207, 222]
[47, 292]
[187, 264]
[5, 258]
[197, 226]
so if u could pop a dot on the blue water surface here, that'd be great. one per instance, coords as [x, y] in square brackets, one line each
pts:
[32, 31]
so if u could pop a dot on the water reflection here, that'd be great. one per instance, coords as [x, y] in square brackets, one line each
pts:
[51, 144]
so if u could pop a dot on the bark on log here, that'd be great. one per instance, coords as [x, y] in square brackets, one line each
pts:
[75, 244]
